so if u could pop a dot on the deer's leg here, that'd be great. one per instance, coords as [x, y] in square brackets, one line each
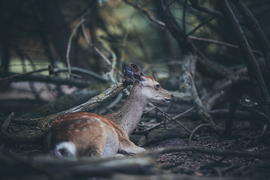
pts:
[96, 147]
[128, 147]
[91, 140]
[112, 142]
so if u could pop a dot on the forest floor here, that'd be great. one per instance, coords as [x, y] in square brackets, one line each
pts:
[195, 164]
[205, 165]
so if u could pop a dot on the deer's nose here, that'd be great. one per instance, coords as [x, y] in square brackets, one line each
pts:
[172, 96]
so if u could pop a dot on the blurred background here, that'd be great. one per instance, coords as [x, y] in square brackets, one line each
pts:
[36, 33]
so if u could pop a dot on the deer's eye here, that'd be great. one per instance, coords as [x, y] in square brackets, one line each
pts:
[157, 86]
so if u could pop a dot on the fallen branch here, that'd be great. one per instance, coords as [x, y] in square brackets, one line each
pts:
[67, 101]
[7, 122]
[219, 152]
[29, 130]
[68, 168]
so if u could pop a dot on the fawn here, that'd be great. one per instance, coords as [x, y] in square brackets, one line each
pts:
[89, 134]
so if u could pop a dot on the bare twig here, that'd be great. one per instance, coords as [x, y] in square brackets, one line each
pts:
[54, 71]
[23, 74]
[184, 16]
[7, 122]
[69, 45]
[196, 129]
[221, 43]
[81, 83]
[94, 47]
[168, 6]
[196, 5]
[200, 25]
[111, 73]
[167, 116]
[146, 12]
[76, 69]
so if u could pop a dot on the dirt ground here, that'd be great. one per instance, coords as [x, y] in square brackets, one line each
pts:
[205, 165]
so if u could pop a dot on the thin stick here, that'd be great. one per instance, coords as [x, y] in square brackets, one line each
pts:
[7, 122]
[200, 25]
[168, 6]
[94, 47]
[23, 74]
[167, 116]
[76, 69]
[184, 16]
[198, 127]
[69, 45]
[99, 52]
[111, 73]
[146, 12]
[221, 43]
[196, 5]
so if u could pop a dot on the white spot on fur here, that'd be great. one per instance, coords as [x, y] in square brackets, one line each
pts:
[69, 147]
[77, 130]
[95, 119]
[71, 126]
[78, 121]
[84, 128]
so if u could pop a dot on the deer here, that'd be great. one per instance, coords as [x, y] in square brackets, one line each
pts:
[88, 134]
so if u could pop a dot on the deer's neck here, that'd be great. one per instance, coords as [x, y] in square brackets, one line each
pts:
[130, 114]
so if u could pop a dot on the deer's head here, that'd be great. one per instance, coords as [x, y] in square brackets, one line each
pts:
[146, 85]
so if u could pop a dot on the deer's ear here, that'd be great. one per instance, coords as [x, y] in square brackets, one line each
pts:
[136, 82]
[137, 73]
[135, 68]
[128, 75]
